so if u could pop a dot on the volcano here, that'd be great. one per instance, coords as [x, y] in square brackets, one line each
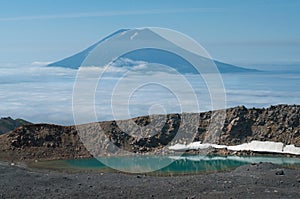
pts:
[150, 55]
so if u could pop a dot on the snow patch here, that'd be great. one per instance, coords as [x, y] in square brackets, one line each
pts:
[256, 146]
[133, 36]
[259, 146]
[291, 149]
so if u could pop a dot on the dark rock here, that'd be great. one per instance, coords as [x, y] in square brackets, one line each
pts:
[44, 141]
[280, 172]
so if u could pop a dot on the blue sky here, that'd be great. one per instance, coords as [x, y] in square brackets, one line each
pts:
[257, 34]
[249, 33]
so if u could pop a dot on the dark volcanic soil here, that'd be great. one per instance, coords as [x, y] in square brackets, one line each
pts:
[250, 181]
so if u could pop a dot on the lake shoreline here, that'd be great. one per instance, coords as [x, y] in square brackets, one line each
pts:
[187, 164]
[262, 180]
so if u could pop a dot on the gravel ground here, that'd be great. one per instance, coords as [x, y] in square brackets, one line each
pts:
[251, 181]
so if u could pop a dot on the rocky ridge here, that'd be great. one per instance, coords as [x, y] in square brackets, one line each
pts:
[44, 141]
[8, 124]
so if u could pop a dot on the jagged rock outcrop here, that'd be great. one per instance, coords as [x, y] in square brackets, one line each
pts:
[276, 123]
[43, 141]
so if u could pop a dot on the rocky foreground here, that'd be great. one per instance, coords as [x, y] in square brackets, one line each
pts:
[44, 141]
[249, 181]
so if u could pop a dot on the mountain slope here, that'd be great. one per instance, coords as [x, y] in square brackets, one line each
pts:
[8, 124]
[75, 61]
[147, 55]
[43, 141]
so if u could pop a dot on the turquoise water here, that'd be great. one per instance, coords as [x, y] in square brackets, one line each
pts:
[187, 164]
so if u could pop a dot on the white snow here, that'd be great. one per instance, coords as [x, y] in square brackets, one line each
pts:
[259, 146]
[256, 146]
[291, 149]
[179, 147]
[133, 36]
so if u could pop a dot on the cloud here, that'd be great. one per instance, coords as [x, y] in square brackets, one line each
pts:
[38, 94]
[124, 65]
[253, 43]
[110, 13]
[40, 63]
[44, 94]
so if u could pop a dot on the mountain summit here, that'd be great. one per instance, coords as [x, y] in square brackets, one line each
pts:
[150, 55]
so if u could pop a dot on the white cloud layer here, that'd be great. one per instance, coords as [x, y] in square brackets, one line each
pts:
[44, 94]
[110, 13]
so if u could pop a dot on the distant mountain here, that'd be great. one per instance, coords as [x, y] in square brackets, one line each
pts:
[147, 54]
[75, 61]
[8, 124]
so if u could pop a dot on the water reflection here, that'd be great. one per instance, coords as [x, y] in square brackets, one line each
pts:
[186, 164]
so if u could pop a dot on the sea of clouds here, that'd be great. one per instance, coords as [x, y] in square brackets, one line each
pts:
[43, 94]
